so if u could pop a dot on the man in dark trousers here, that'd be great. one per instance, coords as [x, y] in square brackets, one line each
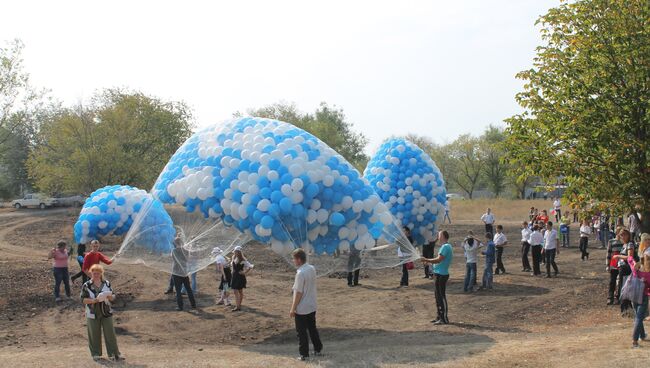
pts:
[428, 251]
[354, 262]
[180, 275]
[303, 307]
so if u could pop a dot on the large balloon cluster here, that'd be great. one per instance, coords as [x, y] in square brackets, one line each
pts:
[114, 209]
[276, 183]
[410, 184]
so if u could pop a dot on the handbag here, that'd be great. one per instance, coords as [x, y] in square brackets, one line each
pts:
[410, 265]
[633, 289]
[105, 310]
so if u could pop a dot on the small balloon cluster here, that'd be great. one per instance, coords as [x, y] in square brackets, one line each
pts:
[114, 209]
[410, 184]
[276, 183]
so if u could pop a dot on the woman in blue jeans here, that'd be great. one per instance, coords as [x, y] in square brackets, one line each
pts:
[641, 270]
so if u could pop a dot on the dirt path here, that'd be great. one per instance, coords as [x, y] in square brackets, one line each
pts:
[525, 322]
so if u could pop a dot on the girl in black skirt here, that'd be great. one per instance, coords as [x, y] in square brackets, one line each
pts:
[240, 268]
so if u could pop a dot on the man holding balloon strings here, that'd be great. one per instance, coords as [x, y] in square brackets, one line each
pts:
[441, 273]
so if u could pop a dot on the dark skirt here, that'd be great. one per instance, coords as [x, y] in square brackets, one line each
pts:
[238, 281]
[227, 280]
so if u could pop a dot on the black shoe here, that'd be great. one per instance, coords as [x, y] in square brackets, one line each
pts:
[357, 284]
[303, 358]
[610, 302]
[435, 320]
[318, 353]
[169, 291]
[548, 276]
[350, 285]
[440, 322]
[179, 309]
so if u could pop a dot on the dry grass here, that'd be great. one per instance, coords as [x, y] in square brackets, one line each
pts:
[505, 210]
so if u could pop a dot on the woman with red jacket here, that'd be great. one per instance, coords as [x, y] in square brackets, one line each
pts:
[94, 257]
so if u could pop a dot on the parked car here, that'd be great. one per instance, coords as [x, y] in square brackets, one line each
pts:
[455, 196]
[33, 200]
[72, 201]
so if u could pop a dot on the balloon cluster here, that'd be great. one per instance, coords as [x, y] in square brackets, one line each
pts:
[276, 183]
[410, 184]
[114, 209]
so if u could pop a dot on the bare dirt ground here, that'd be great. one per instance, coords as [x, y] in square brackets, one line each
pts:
[524, 322]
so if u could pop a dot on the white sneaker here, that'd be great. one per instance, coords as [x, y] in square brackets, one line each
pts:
[58, 299]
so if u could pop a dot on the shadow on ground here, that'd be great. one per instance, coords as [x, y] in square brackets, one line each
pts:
[375, 347]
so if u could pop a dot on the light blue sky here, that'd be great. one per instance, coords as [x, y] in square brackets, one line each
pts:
[436, 68]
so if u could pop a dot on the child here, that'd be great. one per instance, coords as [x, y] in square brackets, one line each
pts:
[225, 276]
[489, 254]
[470, 246]
[240, 268]
[565, 230]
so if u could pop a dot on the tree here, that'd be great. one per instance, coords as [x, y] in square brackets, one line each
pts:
[469, 163]
[121, 138]
[327, 123]
[586, 102]
[21, 109]
[495, 167]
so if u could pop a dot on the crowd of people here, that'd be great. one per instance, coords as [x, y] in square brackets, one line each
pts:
[627, 261]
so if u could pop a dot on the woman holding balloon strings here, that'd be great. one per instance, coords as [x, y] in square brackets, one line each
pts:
[240, 268]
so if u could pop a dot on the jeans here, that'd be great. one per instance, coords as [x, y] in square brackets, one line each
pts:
[613, 276]
[405, 276]
[441, 296]
[500, 266]
[525, 247]
[446, 217]
[537, 259]
[306, 323]
[179, 283]
[584, 242]
[487, 275]
[640, 312]
[61, 275]
[470, 276]
[565, 239]
[550, 261]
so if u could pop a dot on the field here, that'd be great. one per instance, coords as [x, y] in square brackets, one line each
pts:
[524, 322]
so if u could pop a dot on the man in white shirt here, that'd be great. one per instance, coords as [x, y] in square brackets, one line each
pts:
[488, 219]
[525, 246]
[500, 241]
[536, 239]
[557, 206]
[634, 226]
[303, 307]
[550, 249]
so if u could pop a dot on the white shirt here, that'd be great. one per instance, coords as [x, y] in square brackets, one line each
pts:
[557, 204]
[488, 218]
[221, 260]
[500, 239]
[536, 238]
[305, 283]
[550, 239]
[525, 234]
[471, 252]
[585, 230]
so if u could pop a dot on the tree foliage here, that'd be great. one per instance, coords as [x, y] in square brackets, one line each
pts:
[586, 103]
[122, 137]
[495, 167]
[328, 123]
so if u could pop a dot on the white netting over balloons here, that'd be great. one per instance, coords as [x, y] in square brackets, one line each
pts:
[273, 183]
[410, 184]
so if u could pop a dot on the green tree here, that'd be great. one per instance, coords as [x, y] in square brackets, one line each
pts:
[121, 138]
[586, 103]
[469, 163]
[495, 168]
[327, 123]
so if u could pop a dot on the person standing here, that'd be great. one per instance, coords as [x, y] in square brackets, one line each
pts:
[94, 257]
[634, 226]
[179, 275]
[240, 268]
[428, 251]
[488, 219]
[304, 306]
[500, 241]
[354, 266]
[565, 231]
[536, 241]
[557, 206]
[96, 295]
[447, 210]
[614, 248]
[585, 231]
[81, 252]
[59, 257]
[404, 282]
[550, 249]
[525, 246]
[471, 246]
[490, 254]
[224, 274]
[441, 274]
[624, 267]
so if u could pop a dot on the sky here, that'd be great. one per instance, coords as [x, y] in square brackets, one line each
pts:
[434, 68]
